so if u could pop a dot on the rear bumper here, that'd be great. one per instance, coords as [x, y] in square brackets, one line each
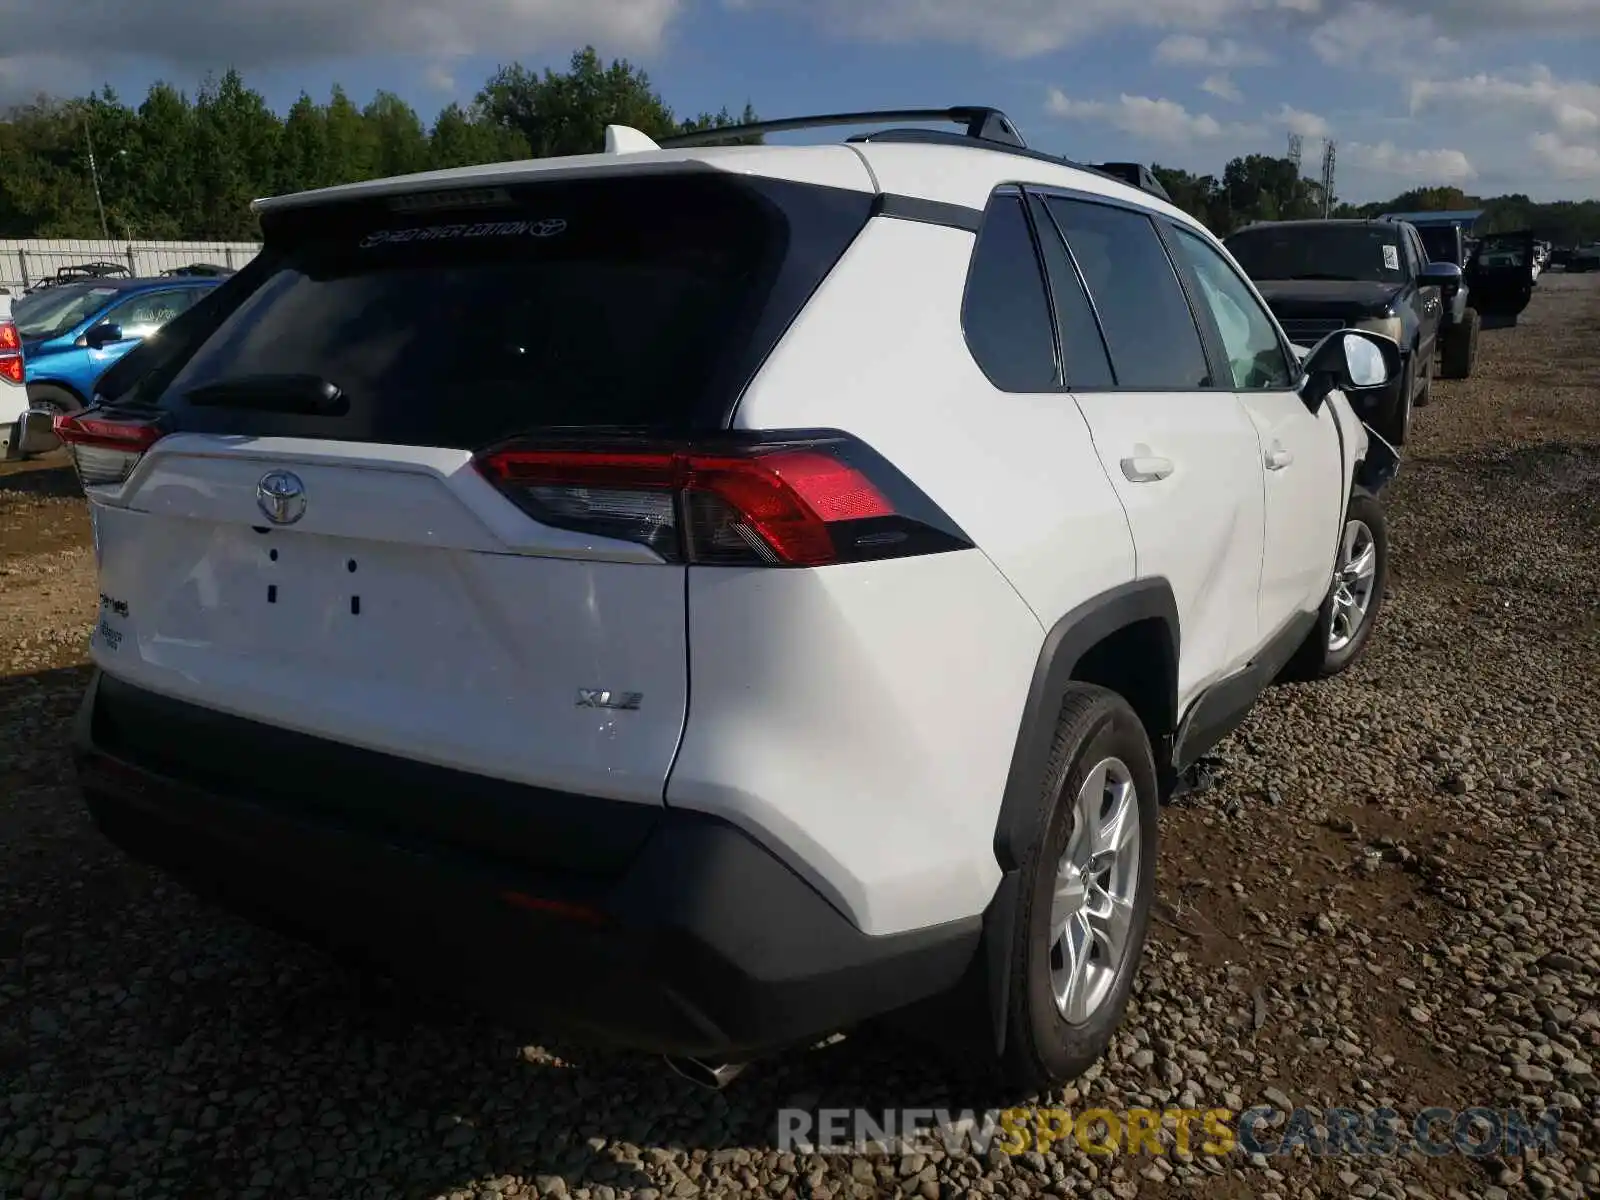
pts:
[687, 937]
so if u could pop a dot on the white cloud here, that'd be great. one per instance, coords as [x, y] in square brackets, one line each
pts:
[251, 34]
[1306, 124]
[1410, 166]
[1222, 87]
[440, 79]
[1567, 160]
[1188, 49]
[1020, 28]
[1354, 30]
[1574, 105]
[1376, 37]
[1149, 119]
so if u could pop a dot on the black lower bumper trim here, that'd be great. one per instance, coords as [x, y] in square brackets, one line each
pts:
[703, 943]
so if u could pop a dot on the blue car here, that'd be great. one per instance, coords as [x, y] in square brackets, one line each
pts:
[72, 333]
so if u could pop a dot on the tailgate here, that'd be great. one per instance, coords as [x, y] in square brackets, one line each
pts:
[409, 610]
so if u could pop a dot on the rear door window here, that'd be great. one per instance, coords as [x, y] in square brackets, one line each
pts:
[142, 315]
[1149, 328]
[633, 303]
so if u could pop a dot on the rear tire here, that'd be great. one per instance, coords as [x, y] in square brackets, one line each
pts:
[1080, 925]
[1460, 351]
[1355, 595]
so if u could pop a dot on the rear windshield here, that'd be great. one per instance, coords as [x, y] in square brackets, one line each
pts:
[1367, 253]
[639, 303]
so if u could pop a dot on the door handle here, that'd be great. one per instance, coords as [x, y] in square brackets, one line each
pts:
[1278, 458]
[1146, 468]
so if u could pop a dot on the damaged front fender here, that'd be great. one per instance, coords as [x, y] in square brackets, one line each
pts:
[1379, 465]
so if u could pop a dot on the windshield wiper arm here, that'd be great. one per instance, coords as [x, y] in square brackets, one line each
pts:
[307, 395]
[1325, 275]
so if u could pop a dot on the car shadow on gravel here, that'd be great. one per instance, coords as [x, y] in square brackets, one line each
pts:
[44, 477]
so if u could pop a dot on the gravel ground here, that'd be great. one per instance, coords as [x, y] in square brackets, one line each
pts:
[1388, 896]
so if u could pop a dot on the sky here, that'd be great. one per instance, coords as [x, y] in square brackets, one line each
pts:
[1493, 96]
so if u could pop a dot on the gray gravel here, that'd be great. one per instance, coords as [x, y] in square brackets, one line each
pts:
[1389, 896]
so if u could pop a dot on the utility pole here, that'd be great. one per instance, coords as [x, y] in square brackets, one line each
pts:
[1327, 177]
[94, 175]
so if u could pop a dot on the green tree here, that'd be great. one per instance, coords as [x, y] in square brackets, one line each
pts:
[568, 113]
[399, 143]
[236, 156]
[467, 138]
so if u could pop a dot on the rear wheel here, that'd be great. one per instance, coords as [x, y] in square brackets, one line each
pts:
[1355, 595]
[1460, 350]
[1088, 881]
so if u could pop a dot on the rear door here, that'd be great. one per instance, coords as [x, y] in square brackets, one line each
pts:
[315, 541]
[1180, 449]
[1500, 274]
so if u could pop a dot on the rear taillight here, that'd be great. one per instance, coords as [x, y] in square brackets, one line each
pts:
[105, 449]
[798, 501]
[12, 368]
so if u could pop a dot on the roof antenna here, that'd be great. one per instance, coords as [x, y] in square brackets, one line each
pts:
[624, 139]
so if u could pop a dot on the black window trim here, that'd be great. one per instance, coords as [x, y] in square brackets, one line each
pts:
[1291, 359]
[1034, 204]
[1017, 190]
[1207, 349]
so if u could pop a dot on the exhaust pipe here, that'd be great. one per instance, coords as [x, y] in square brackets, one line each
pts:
[715, 1076]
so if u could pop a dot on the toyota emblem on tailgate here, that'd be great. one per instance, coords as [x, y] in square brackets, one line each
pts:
[282, 497]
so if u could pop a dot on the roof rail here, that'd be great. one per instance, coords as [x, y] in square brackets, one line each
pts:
[985, 129]
[987, 124]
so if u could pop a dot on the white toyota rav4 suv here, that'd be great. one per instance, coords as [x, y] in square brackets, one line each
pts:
[702, 598]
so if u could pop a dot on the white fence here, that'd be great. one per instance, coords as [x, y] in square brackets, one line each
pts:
[24, 263]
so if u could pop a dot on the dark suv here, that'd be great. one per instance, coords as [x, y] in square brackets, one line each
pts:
[1446, 241]
[1320, 276]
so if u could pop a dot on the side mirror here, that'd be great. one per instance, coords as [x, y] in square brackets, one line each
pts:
[1444, 273]
[1351, 360]
[36, 433]
[102, 335]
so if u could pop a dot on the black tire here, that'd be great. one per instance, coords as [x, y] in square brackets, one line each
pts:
[1317, 658]
[1042, 1048]
[55, 399]
[1460, 351]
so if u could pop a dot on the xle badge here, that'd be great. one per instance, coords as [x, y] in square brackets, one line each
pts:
[597, 698]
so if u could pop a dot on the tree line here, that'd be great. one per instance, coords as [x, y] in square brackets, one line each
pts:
[185, 168]
[1260, 187]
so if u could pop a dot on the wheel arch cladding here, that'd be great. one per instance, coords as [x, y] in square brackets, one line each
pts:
[1125, 639]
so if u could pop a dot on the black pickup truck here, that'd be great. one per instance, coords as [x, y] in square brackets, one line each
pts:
[1322, 276]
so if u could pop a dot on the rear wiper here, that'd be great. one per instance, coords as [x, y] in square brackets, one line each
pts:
[308, 395]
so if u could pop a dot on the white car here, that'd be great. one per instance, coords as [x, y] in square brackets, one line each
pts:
[701, 598]
[13, 386]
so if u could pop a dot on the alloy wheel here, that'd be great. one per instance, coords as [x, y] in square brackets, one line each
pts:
[1097, 879]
